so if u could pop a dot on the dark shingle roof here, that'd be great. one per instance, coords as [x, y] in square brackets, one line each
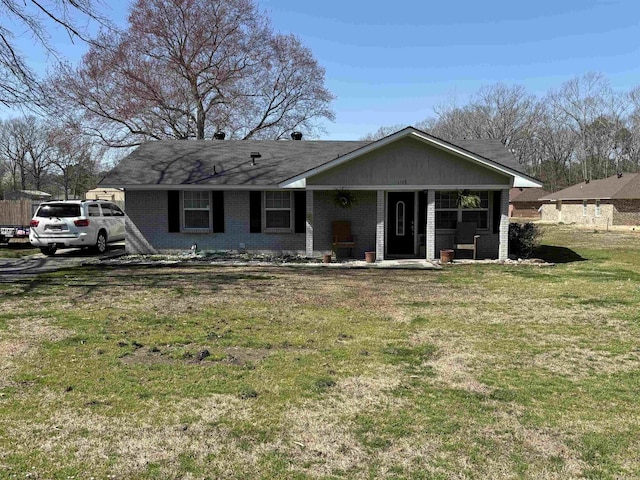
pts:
[180, 162]
[492, 149]
[626, 186]
[526, 194]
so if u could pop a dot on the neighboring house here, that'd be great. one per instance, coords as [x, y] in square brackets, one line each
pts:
[610, 201]
[106, 193]
[282, 196]
[33, 195]
[525, 202]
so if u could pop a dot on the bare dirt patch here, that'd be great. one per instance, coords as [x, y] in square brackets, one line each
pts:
[202, 355]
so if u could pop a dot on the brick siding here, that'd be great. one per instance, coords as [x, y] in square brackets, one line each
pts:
[626, 212]
[525, 209]
[148, 212]
[612, 212]
[362, 217]
[147, 230]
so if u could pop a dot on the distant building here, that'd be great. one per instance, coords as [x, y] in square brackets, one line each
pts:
[610, 201]
[106, 193]
[33, 195]
[525, 202]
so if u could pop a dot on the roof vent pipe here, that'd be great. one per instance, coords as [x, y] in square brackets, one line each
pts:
[219, 135]
[253, 156]
[296, 135]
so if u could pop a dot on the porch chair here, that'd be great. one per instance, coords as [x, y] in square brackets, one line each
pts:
[466, 237]
[342, 236]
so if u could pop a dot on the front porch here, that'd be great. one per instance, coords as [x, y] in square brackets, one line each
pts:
[406, 224]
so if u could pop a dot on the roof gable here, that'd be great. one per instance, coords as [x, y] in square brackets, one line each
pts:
[409, 163]
[497, 158]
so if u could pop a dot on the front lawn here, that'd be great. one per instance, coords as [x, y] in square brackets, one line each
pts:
[475, 371]
[17, 250]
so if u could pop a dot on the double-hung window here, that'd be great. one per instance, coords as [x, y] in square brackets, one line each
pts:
[197, 210]
[446, 210]
[584, 208]
[598, 210]
[277, 211]
[450, 211]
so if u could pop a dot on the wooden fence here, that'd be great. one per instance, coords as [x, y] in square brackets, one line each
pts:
[16, 212]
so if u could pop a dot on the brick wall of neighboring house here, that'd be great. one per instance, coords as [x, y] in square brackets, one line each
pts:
[572, 211]
[551, 212]
[362, 217]
[525, 209]
[626, 212]
[148, 212]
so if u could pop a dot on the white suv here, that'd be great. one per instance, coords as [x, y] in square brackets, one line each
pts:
[76, 223]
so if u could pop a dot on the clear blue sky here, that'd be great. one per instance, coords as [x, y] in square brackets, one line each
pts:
[392, 62]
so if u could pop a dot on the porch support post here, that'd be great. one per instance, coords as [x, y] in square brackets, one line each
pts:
[503, 249]
[430, 237]
[380, 226]
[309, 224]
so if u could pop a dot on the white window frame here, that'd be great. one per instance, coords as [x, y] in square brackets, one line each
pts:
[459, 210]
[598, 209]
[267, 229]
[584, 208]
[183, 211]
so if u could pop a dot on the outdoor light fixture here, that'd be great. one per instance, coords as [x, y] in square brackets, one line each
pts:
[253, 156]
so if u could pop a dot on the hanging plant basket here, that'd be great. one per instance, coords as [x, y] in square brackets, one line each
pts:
[468, 200]
[344, 199]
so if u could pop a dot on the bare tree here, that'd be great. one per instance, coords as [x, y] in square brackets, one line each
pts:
[383, 132]
[74, 160]
[13, 154]
[593, 111]
[187, 68]
[24, 148]
[18, 83]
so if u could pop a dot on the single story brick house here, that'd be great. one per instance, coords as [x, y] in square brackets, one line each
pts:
[284, 196]
[610, 201]
[525, 202]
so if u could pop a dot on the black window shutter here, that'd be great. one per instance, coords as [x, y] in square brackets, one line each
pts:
[255, 212]
[300, 211]
[173, 210]
[217, 204]
[496, 211]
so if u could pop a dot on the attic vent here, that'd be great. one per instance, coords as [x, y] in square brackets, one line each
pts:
[219, 135]
[296, 135]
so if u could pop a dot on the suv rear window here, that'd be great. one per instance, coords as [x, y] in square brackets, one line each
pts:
[60, 210]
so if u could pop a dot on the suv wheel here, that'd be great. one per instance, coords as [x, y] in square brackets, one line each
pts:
[101, 243]
[48, 251]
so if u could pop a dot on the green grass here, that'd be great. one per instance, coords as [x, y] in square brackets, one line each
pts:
[474, 371]
[17, 251]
